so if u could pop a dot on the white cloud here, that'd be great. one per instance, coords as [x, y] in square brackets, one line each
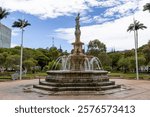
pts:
[95, 19]
[113, 34]
[123, 9]
[55, 8]
[103, 3]
[86, 19]
[99, 19]
[45, 8]
[110, 3]
[14, 45]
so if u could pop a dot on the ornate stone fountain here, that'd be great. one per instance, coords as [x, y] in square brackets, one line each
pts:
[79, 73]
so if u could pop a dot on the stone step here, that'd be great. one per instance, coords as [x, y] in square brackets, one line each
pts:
[110, 87]
[77, 84]
[43, 87]
[75, 80]
[50, 88]
[115, 90]
[62, 93]
[96, 88]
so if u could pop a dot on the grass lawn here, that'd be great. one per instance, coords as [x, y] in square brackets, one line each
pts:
[6, 76]
[35, 75]
[130, 75]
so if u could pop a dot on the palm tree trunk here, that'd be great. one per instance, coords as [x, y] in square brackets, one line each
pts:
[1, 41]
[136, 56]
[137, 39]
[21, 54]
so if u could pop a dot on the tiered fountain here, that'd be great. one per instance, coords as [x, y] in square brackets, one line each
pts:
[79, 73]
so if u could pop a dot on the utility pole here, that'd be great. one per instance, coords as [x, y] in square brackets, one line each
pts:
[52, 41]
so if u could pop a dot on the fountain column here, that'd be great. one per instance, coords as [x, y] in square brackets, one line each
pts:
[78, 58]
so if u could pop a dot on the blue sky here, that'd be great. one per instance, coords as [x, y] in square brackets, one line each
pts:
[106, 20]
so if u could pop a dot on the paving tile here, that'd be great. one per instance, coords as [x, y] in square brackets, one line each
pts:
[139, 90]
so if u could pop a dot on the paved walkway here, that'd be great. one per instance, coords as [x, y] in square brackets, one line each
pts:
[14, 90]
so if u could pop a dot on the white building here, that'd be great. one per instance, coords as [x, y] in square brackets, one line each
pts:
[5, 36]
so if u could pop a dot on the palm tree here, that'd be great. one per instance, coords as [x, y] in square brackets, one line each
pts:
[146, 7]
[3, 14]
[21, 24]
[135, 27]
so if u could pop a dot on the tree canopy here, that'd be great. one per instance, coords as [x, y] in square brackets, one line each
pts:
[136, 26]
[146, 7]
[3, 13]
[21, 23]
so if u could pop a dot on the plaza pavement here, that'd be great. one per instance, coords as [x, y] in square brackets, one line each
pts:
[13, 90]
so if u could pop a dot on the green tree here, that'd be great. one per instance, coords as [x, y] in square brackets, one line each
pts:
[44, 51]
[141, 62]
[115, 56]
[42, 60]
[146, 51]
[21, 24]
[3, 14]
[2, 60]
[28, 53]
[128, 53]
[29, 64]
[105, 60]
[14, 51]
[124, 64]
[12, 62]
[95, 46]
[53, 53]
[5, 55]
[146, 7]
[98, 49]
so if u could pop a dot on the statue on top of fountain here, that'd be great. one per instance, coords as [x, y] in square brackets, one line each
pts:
[78, 22]
[77, 44]
[77, 28]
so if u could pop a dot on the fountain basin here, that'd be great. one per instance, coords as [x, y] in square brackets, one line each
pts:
[77, 76]
[82, 81]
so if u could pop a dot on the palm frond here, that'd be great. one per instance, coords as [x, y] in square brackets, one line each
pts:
[136, 26]
[21, 23]
[146, 7]
[130, 28]
[3, 13]
[16, 24]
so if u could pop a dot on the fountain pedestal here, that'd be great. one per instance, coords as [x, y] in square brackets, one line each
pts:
[77, 62]
[78, 83]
